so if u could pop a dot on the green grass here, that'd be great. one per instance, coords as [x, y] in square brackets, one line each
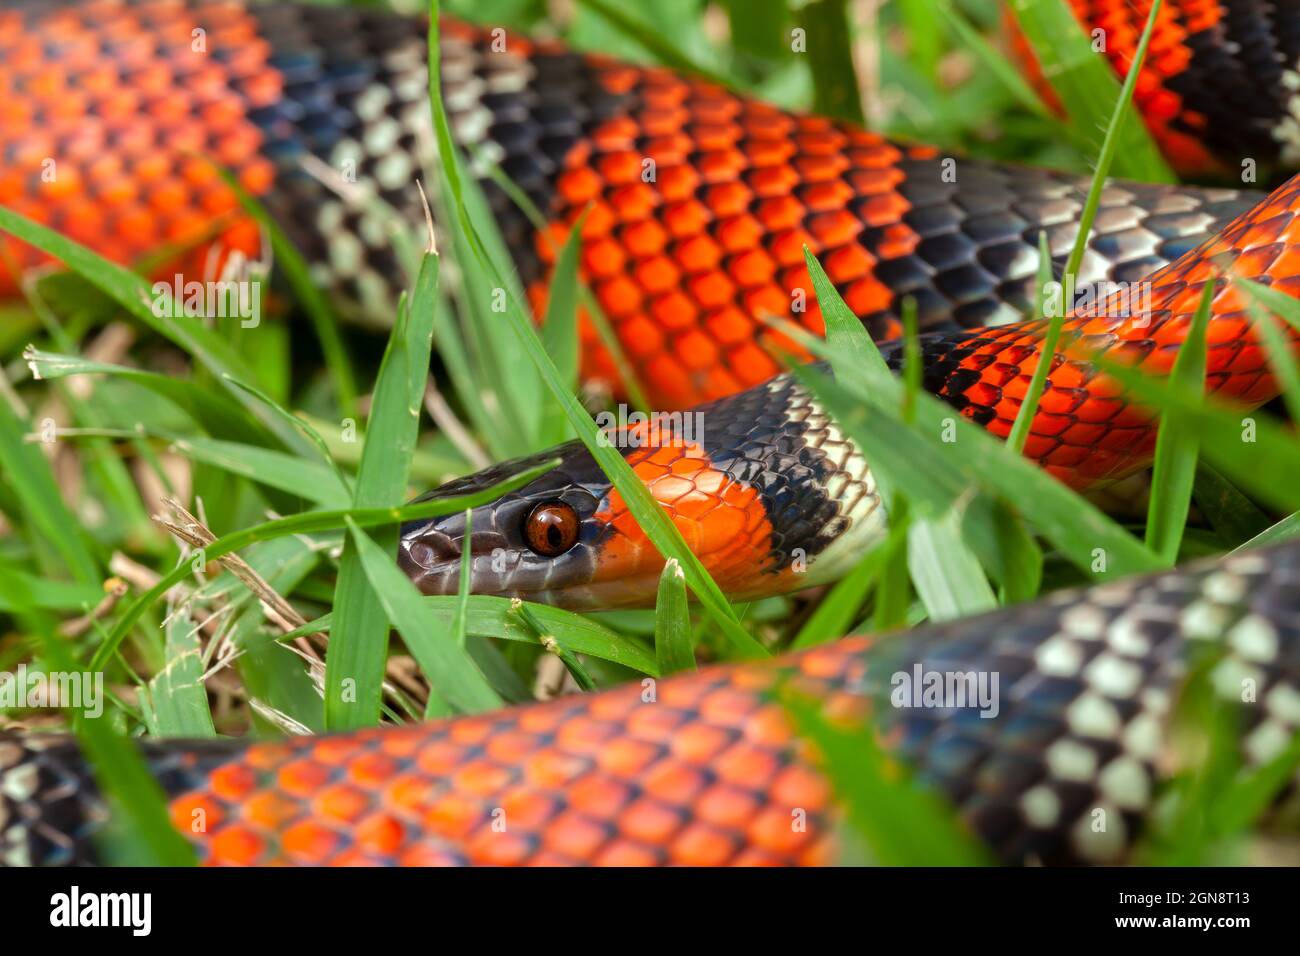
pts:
[303, 471]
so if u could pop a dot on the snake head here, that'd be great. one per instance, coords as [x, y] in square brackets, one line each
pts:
[540, 542]
[766, 492]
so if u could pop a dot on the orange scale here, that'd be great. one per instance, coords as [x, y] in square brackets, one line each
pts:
[673, 782]
[236, 845]
[598, 796]
[674, 311]
[752, 268]
[713, 133]
[776, 830]
[698, 351]
[752, 364]
[525, 807]
[619, 133]
[500, 848]
[719, 108]
[822, 170]
[83, 221]
[49, 83]
[663, 90]
[726, 806]
[453, 816]
[668, 381]
[712, 290]
[729, 326]
[826, 140]
[729, 198]
[233, 782]
[583, 736]
[481, 777]
[664, 122]
[1039, 446]
[410, 793]
[66, 183]
[263, 89]
[702, 845]
[270, 810]
[371, 769]
[660, 723]
[309, 842]
[302, 777]
[626, 757]
[258, 176]
[1050, 426]
[868, 296]
[698, 253]
[168, 195]
[825, 197]
[619, 297]
[603, 259]
[196, 813]
[574, 835]
[834, 228]
[440, 757]
[644, 238]
[648, 821]
[728, 707]
[116, 105]
[670, 147]
[778, 209]
[768, 153]
[1061, 456]
[751, 856]
[787, 246]
[767, 727]
[134, 226]
[780, 212]
[16, 114]
[697, 505]
[600, 220]
[686, 218]
[579, 186]
[473, 731]
[235, 147]
[625, 853]
[656, 274]
[380, 833]
[677, 183]
[798, 785]
[739, 233]
[341, 802]
[510, 746]
[620, 166]
[641, 338]
[333, 751]
[116, 190]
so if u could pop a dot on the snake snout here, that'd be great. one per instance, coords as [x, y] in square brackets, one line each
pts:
[539, 542]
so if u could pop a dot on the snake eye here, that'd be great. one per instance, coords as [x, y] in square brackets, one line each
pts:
[551, 528]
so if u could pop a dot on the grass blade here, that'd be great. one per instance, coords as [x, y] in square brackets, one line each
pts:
[444, 662]
[358, 646]
[674, 644]
[1177, 444]
[177, 699]
[1086, 84]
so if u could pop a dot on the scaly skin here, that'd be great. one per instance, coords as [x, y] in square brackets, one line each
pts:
[701, 768]
[122, 98]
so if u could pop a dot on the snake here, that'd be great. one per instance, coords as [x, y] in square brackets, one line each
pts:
[109, 110]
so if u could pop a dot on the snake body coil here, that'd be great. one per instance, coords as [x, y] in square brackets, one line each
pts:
[316, 110]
